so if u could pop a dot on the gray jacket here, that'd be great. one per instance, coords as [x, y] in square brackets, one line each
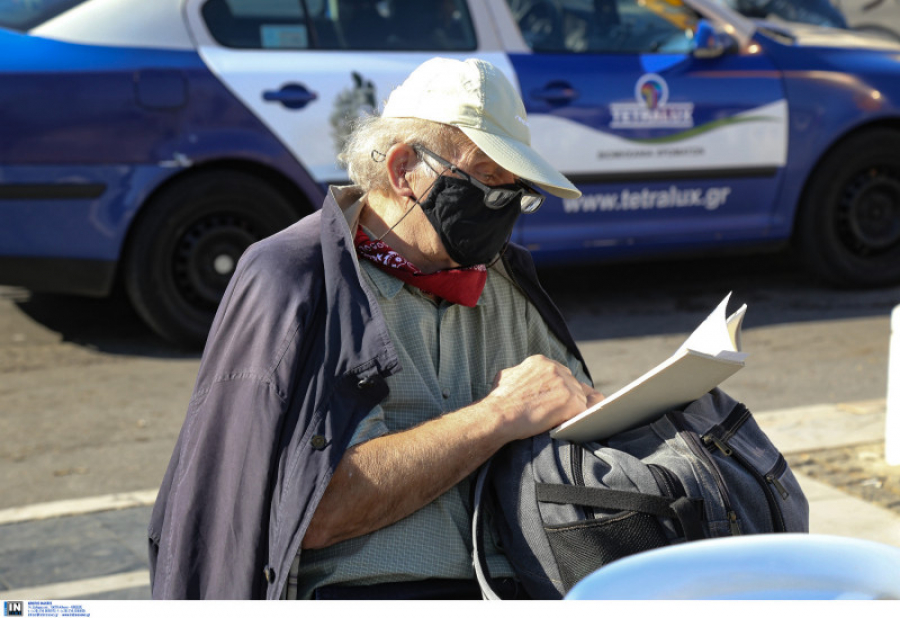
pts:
[296, 357]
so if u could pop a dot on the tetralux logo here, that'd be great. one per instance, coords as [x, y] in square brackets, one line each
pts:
[651, 108]
[13, 608]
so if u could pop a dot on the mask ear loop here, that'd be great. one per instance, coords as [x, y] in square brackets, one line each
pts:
[379, 157]
[500, 253]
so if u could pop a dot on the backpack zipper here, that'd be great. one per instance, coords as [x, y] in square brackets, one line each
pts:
[671, 486]
[719, 435]
[730, 426]
[666, 479]
[776, 473]
[739, 415]
[726, 430]
[693, 442]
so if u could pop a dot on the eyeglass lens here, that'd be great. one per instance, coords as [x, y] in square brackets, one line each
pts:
[498, 197]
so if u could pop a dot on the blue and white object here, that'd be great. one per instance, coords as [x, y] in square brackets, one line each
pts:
[753, 567]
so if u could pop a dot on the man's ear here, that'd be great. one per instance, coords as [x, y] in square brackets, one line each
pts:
[401, 159]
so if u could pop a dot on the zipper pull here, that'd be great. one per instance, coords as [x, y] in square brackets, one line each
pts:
[771, 478]
[722, 446]
[733, 524]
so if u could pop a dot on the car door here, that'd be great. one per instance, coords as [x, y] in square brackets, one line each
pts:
[308, 68]
[669, 148]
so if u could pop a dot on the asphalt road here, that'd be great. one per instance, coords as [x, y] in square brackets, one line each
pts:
[91, 402]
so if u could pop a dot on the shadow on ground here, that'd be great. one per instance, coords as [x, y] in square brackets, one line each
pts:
[105, 324]
[607, 301]
[658, 297]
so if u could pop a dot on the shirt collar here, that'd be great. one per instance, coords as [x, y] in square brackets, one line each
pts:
[387, 285]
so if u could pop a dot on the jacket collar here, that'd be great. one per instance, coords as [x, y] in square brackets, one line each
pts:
[347, 296]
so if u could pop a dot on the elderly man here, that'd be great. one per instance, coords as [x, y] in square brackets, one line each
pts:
[365, 361]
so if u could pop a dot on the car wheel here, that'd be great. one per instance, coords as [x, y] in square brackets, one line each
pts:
[187, 242]
[849, 226]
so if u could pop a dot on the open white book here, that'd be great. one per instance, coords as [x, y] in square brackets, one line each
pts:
[711, 354]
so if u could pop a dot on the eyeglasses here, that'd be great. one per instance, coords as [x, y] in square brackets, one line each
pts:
[496, 198]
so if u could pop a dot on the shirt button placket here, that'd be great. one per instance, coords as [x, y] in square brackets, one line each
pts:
[445, 352]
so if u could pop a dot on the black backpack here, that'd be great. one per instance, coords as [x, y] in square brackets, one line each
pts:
[560, 510]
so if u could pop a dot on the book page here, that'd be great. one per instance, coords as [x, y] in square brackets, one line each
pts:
[735, 320]
[716, 333]
[707, 357]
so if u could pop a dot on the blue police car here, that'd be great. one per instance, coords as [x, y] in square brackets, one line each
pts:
[150, 142]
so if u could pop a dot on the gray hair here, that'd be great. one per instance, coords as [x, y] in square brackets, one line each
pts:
[373, 136]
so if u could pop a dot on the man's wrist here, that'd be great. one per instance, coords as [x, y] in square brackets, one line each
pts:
[497, 418]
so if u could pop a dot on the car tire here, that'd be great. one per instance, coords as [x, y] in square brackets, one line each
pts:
[188, 240]
[848, 230]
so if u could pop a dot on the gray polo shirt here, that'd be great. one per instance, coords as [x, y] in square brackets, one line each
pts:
[450, 355]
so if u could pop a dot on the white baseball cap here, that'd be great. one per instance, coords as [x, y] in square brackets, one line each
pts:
[476, 97]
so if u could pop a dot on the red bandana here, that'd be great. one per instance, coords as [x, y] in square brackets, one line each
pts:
[457, 285]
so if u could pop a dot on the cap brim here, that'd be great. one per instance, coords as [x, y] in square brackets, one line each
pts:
[523, 161]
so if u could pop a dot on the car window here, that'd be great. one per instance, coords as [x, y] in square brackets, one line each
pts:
[817, 12]
[605, 26]
[438, 25]
[256, 24]
[26, 14]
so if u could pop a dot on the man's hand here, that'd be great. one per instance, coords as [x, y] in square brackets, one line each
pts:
[537, 395]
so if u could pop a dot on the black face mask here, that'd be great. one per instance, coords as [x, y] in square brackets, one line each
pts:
[471, 232]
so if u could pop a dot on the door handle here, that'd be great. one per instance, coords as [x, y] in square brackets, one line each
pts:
[292, 96]
[555, 92]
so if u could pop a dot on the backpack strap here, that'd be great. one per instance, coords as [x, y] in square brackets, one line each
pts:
[686, 511]
[479, 558]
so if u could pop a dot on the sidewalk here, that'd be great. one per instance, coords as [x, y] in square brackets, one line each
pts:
[86, 550]
[95, 555]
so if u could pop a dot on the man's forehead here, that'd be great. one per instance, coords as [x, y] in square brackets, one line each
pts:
[474, 154]
[469, 155]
